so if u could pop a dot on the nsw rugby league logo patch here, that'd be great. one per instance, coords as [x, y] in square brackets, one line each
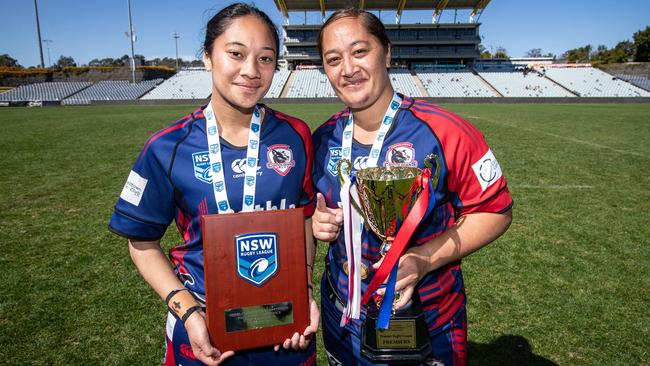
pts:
[201, 163]
[257, 257]
[280, 158]
[333, 162]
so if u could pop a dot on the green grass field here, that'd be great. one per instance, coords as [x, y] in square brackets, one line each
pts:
[568, 284]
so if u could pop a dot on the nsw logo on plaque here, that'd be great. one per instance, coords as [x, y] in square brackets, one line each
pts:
[257, 257]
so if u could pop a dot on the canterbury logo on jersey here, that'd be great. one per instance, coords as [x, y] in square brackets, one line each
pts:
[237, 167]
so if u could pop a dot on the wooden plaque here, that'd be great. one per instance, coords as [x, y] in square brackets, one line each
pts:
[255, 278]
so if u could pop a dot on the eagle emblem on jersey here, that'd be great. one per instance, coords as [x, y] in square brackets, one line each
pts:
[333, 162]
[202, 168]
[280, 158]
[257, 257]
[401, 154]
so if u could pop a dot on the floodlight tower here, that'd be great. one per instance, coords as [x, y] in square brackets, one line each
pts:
[38, 31]
[176, 36]
[132, 37]
[47, 42]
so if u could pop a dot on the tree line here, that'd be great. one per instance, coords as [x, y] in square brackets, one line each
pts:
[67, 61]
[637, 50]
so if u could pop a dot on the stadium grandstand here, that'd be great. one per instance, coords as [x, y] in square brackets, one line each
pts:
[591, 82]
[38, 92]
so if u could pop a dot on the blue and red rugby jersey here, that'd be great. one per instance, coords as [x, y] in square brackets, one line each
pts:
[470, 181]
[171, 179]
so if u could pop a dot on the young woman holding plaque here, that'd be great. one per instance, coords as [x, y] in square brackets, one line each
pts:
[201, 165]
[469, 207]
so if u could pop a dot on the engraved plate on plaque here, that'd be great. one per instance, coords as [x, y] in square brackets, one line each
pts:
[259, 316]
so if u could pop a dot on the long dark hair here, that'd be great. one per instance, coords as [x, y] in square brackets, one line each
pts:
[224, 18]
[369, 21]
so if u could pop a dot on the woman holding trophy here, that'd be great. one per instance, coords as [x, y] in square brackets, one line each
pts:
[209, 162]
[393, 290]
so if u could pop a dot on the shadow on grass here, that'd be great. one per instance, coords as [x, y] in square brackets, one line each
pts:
[506, 350]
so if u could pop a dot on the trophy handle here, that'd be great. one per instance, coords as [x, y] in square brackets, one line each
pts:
[434, 176]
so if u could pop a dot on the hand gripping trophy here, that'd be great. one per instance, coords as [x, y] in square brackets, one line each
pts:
[391, 201]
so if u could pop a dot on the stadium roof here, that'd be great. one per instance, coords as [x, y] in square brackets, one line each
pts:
[285, 6]
[296, 5]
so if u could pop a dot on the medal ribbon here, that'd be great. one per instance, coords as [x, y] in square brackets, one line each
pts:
[386, 123]
[352, 233]
[353, 221]
[216, 162]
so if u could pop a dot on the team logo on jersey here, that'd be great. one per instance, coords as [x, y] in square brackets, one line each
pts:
[214, 148]
[250, 181]
[216, 167]
[280, 158]
[201, 162]
[401, 154]
[394, 105]
[487, 170]
[257, 257]
[185, 277]
[333, 162]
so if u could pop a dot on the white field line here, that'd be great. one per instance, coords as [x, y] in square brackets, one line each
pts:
[551, 186]
[589, 143]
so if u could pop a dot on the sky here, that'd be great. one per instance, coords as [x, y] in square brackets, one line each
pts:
[95, 29]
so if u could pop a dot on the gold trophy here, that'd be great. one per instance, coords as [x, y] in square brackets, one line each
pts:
[386, 197]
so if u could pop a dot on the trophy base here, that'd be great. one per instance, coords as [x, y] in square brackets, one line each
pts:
[406, 341]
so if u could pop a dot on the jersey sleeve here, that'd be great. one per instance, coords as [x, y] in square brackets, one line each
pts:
[146, 205]
[307, 198]
[474, 174]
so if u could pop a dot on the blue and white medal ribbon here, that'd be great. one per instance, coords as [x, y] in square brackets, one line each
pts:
[386, 123]
[352, 228]
[216, 162]
[353, 221]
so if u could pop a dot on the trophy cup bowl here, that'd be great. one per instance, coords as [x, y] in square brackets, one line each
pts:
[385, 199]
